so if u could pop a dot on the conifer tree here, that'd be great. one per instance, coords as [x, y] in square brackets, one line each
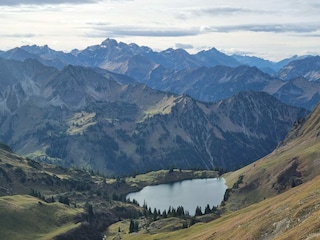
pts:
[131, 226]
[207, 210]
[198, 211]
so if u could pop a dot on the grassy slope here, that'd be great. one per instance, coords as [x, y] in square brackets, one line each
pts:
[294, 214]
[261, 212]
[261, 179]
[26, 217]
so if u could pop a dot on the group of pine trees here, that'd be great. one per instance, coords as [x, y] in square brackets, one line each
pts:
[37, 194]
[207, 210]
[156, 214]
[172, 212]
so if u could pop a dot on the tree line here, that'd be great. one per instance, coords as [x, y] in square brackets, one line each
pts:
[180, 212]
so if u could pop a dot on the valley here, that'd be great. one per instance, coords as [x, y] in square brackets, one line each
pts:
[81, 130]
[291, 215]
[42, 201]
[265, 200]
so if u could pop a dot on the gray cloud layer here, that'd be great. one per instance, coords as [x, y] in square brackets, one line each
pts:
[101, 30]
[19, 35]
[225, 11]
[219, 11]
[143, 31]
[276, 28]
[44, 2]
[250, 26]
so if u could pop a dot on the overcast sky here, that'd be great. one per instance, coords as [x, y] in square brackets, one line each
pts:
[270, 29]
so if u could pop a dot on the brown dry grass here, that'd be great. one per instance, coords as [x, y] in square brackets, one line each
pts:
[294, 214]
[264, 211]
[26, 217]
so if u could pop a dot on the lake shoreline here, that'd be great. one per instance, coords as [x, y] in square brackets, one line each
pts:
[189, 194]
[153, 178]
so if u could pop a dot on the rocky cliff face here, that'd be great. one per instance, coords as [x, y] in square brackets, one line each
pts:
[308, 68]
[78, 117]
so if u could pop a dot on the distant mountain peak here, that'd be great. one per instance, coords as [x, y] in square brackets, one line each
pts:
[109, 42]
[168, 51]
[213, 50]
[308, 67]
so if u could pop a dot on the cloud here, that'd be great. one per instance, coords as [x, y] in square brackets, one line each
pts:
[114, 31]
[44, 2]
[275, 28]
[99, 29]
[184, 46]
[225, 11]
[238, 51]
[19, 35]
[219, 11]
[313, 35]
[204, 29]
[53, 2]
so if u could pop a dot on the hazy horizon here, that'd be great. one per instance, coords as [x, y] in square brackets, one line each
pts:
[270, 29]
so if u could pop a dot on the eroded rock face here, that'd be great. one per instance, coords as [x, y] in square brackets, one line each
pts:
[308, 68]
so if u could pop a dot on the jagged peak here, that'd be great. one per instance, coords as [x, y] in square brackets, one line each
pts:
[212, 50]
[35, 47]
[168, 51]
[109, 42]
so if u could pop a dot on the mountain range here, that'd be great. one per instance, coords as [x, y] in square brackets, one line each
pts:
[110, 54]
[208, 75]
[76, 116]
[121, 109]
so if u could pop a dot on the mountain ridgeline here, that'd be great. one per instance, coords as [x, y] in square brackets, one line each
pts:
[208, 75]
[120, 109]
[78, 117]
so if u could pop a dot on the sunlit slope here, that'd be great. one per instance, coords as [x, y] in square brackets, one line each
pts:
[294, 214]
[278, 197]
[26, 217]
[294, 162]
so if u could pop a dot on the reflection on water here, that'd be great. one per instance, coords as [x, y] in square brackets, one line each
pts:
[188, 193]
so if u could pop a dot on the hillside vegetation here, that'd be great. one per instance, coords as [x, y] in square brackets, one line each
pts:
[27, 217]
[277, 197]
[79, 136]
[291, 215]
[43, 201]
[295, 161]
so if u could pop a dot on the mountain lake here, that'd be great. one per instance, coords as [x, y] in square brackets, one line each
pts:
[187, 193]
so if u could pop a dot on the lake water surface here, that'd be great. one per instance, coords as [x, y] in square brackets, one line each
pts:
[188, 193]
